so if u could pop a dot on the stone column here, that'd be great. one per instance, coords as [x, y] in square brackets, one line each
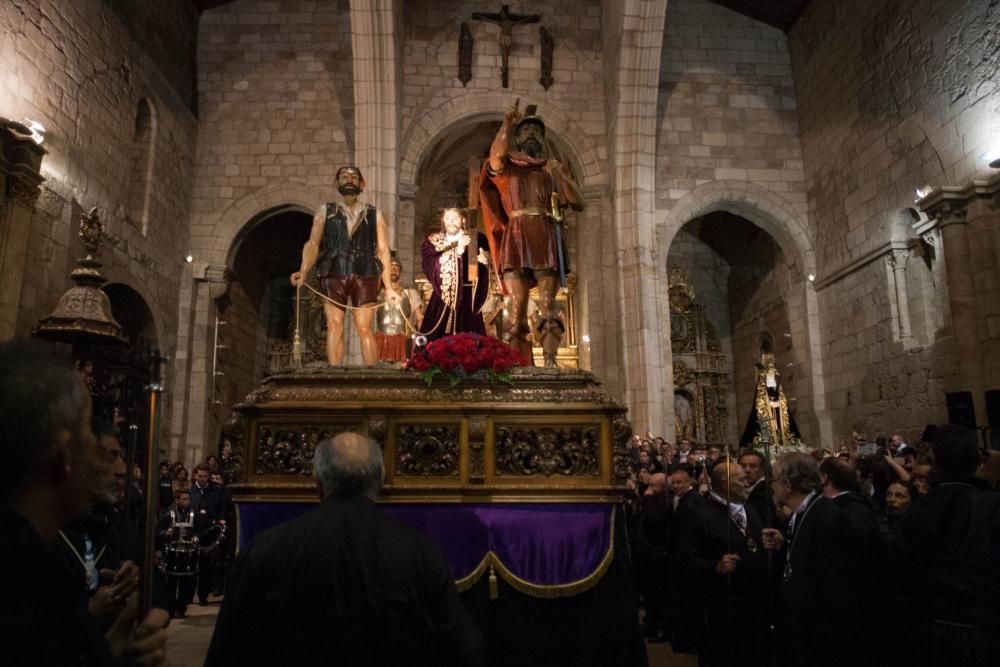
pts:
[897, 259]
[633, 145]
[376, 102]
[983, 229]
[404, 236]
[20, 162]
[965, 320]
[196, 418]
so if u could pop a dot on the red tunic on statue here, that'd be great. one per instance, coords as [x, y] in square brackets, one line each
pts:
[516, 205]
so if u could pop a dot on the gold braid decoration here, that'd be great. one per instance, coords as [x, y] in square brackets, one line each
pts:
[448, 270]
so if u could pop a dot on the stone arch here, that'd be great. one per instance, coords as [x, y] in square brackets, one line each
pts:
[426, 132]
[779, 218]
[232, 224]
[760, 206]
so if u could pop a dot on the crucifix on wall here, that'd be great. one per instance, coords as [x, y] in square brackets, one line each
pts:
[506, 21]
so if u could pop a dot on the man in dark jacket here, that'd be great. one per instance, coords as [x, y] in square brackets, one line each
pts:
[816, 593]
[866, 561]
[951, 541]
[343, 583]
[757, 493]
[210, 506]
[53, 469]
[720, 552]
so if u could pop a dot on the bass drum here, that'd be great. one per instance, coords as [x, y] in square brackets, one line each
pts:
[180, 559]
[212, 539]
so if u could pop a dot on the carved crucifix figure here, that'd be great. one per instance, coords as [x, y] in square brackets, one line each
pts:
[506, 21]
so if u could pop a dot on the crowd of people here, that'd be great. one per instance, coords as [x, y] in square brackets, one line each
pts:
[880, 553]
[877, 554]
[72, 521]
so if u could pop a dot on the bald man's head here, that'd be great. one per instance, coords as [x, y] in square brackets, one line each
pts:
[349, 465]
[658, 483]
[728, 477]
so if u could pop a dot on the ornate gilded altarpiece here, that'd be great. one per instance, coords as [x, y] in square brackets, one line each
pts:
[552, 435]
[702, 373]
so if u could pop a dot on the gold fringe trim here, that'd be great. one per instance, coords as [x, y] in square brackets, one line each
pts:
[492, 563]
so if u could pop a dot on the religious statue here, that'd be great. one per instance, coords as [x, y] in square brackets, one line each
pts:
[770, 417]
[684, 422]
[522, 197]
[349, 246]
[457, 302]
[393, 323]
[548, 331]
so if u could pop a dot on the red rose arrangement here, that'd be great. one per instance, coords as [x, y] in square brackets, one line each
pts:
[463, 356]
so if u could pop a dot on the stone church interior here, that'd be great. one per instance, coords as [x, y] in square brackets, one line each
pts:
[770, 284]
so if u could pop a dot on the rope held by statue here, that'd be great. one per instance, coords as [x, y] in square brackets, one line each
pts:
[297, 337]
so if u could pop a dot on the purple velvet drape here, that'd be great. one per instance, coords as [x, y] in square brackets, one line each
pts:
[542, 543]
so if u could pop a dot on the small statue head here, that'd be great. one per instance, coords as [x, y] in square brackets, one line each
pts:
[350, 182]
[530, 135]
[452, 220]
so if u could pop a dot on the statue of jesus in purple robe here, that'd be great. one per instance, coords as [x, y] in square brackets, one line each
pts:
[457, 302]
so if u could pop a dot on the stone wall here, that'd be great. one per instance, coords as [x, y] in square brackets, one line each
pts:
[899, 96]
[727, 108]
[728, 140]
[434, 103]
[79, 70]
[276, 102]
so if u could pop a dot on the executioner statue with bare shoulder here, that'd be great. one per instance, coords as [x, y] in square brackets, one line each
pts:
[522, 195]
[349, 246]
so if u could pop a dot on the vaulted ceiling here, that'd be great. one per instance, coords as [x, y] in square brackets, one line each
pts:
[778, 13]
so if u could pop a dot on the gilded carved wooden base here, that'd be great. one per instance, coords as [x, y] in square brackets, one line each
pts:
[554, 435]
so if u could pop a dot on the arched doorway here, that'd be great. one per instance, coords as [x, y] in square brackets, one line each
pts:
[253, 329]
[448, 170]
[730, 286]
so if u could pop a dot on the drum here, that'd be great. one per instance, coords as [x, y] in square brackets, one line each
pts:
[212, 539]
[180, 559]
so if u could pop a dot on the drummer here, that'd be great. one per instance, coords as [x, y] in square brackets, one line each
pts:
[211, 506]
[178, 549]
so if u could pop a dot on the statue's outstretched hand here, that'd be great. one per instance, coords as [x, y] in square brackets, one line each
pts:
[297, 278]
[392, 296]
[512, 115]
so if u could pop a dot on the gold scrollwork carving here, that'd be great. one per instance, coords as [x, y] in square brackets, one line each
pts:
[621, 433]
[288, 450]
[427, 450]
[477, 434]
[548, 450]
[683, 375]
[680, 290]
[233, 435]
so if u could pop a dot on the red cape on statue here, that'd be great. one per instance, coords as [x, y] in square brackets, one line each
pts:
[494, 215]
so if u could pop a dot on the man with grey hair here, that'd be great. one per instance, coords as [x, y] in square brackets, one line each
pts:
[815, 589]
[344, 583]
[53, 469]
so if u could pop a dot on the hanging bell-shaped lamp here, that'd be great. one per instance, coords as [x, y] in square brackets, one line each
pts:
[83, 316]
